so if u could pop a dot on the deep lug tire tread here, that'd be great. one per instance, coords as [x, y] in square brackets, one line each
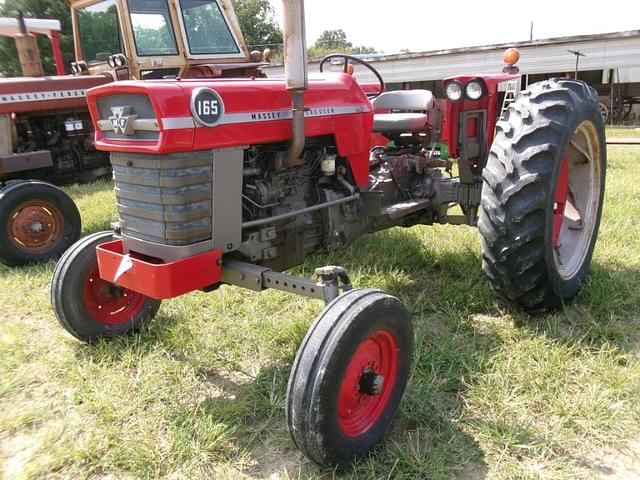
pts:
[518, 191]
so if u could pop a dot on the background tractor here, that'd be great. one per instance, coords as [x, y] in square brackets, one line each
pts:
[240, 179]
[45, 129]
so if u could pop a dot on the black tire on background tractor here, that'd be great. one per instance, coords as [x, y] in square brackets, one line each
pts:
[38, 222]
[88, 307]
[543, 193]
[349, 376]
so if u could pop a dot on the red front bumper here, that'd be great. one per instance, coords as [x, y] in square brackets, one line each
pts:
[155, 279]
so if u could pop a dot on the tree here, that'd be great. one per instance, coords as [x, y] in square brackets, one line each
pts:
[256, 18]
[362, 50]
[258, 25]
[335, 41]
[54, 9]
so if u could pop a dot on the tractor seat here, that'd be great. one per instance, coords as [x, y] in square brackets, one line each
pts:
[410, 111]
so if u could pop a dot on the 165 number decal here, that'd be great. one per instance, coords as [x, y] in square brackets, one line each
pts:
[206, 106]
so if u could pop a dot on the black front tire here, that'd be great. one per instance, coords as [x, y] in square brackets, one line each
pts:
[58, 207]
[90, 312]
[331, 419]
[554, 125]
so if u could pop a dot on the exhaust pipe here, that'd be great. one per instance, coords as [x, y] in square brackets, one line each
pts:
[28, 53]
[295, 71]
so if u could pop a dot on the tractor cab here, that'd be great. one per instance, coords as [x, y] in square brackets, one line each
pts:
[153, 39]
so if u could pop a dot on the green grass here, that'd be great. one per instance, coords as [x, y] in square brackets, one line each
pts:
[623, 132]
[199, 393]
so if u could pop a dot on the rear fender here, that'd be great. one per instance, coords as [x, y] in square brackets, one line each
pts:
[466, 119]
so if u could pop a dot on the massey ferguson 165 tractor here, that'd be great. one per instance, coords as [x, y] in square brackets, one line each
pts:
[45, 129]
[233, 181]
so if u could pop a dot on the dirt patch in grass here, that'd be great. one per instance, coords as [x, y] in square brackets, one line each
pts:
[272, 463]
[621, 463]
[16, 451]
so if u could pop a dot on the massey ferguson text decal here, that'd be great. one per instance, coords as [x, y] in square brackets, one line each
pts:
[40, 96]
[264, 116]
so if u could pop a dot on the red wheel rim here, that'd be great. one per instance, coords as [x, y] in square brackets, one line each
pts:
[577, 198]
[35, 227]
[562, 192]
[108, 303]
[363, 397]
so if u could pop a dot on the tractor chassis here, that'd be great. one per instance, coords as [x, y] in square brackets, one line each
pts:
[332, 280]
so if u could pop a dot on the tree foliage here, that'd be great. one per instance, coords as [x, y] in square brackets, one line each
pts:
[258, 25]
[53, 9]
[335, 41]
[256, 18]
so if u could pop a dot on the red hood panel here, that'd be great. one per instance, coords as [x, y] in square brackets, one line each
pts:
[31, 94]
[256, 111]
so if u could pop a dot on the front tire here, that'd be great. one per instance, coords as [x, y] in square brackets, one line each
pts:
[543, 193]
[38, 222]
[88, 307]
[349, 376]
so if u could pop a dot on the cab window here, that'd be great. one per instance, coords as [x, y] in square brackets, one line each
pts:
[206, 28]
[99, 33]
[152, 30]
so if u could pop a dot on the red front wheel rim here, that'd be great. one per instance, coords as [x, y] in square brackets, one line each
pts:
[108, 303]
[367, 383]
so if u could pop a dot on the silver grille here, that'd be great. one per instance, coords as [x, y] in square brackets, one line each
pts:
[165, 199]
[145, 126]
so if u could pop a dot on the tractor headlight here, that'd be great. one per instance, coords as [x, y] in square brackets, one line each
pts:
[120, 61]
[453, 90]
[474, 90]
[112, 61]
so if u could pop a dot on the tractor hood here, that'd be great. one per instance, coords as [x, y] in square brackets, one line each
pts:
[181, 115]
[34, 94]
[168, 116]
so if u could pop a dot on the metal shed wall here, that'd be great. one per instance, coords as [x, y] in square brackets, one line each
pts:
[606, 51]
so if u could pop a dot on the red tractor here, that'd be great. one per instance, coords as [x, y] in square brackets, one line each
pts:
[45, 130]
[245, 178]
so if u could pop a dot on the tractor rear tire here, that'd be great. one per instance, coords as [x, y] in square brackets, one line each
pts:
[543, 194]
[38, 222]
[88, 307]
[349, 376]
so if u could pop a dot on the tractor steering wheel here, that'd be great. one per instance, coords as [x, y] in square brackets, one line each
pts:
[347, 58]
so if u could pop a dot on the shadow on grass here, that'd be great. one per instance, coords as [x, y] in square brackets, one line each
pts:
[605, 312]
[245, 424]
[241, 421]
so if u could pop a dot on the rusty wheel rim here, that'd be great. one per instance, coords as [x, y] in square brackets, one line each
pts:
[35, 227]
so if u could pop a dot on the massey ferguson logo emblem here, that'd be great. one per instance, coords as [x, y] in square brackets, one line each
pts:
[121, 121]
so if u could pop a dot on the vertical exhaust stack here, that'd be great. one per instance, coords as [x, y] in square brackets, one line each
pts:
[28, 53]
[295, 70]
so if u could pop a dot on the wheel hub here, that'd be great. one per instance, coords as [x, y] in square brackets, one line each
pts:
[35, 227]
[109, 303]
[371, 383]
[367, 383]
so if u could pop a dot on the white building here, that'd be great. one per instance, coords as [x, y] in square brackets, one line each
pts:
[611, 63]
